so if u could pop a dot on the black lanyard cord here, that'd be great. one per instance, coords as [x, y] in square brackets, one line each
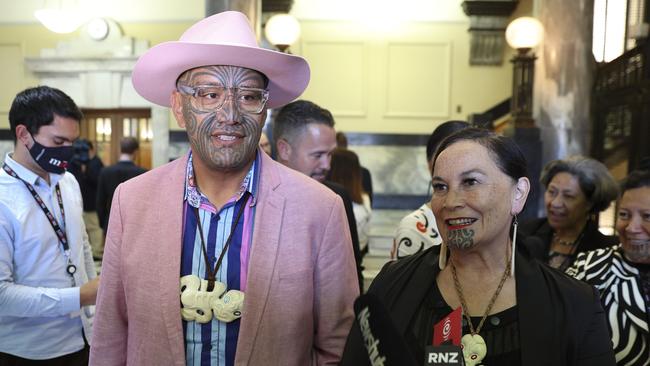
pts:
[61, 235]
[212, 274]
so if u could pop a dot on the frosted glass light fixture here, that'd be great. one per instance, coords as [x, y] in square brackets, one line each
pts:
[58, 20]
[524, 33]
[61, 17]
[282, 30]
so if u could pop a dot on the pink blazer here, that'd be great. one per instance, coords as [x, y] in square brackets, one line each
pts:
[301, 279]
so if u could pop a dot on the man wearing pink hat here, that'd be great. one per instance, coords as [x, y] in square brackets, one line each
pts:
[223, 257]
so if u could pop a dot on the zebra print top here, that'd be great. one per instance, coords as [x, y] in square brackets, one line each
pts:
[618, 282]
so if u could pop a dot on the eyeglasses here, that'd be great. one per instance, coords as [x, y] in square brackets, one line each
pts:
[207, 98]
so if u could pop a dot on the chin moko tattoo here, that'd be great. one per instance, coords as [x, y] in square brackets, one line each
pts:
[461, 239]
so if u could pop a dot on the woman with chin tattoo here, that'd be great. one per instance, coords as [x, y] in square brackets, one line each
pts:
[622, 273]
[515, 310]
[577, 189]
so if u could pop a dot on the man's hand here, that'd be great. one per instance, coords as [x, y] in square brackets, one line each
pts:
[88, 292]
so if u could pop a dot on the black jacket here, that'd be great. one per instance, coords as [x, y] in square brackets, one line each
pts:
[109, 178]
[591, 239]
[88, 180]
[352, 223]
[561, 321]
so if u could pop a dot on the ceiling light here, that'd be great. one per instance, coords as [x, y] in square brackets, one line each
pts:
[59, 20]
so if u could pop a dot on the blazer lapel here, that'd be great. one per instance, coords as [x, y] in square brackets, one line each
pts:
[263, 254]
[166, 241]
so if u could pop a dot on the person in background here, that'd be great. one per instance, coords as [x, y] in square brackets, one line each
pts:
[517, 310]
[417, 231]
[47, 274]
[265, 144]
[345, 170]
[86, 166]
[113, 176]
[223, 257]
[577, 189]
[366, 177]
[304, 140]
[621, 273]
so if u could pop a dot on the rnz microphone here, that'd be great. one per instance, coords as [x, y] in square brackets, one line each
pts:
[385, 346]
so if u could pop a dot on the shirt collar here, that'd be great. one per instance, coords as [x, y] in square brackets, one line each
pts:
[28, 175]
[195, 198]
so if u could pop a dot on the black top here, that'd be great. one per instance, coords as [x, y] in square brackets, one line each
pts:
[352, 223]
[366, 182]
[87, 175]
[500, 331]
[560, 320]
[109, 179]
[591, 239]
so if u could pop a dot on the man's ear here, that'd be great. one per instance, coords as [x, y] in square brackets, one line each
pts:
[176, 101]
[522, 188]
[23, 135]
[284, 149]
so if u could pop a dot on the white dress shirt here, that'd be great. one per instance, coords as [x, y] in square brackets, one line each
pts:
[40, 312]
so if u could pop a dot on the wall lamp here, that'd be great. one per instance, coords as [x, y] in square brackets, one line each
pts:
[523, 34]
[282, 30]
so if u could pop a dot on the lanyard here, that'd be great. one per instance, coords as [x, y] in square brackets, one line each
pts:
[212, 274]
[61, 235]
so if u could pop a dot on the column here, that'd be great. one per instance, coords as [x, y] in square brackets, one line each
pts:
[564, 77]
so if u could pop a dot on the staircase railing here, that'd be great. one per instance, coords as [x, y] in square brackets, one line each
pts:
[621, 108]
[488, 118]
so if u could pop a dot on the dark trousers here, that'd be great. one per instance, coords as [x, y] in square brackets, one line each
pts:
[74, 359]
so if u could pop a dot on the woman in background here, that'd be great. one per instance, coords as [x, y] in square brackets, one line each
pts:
[417, 231]
[346, 171]
[577, 189]
[621, 273]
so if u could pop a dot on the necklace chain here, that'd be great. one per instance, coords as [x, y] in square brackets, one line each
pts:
[463, 304]
[566, 243]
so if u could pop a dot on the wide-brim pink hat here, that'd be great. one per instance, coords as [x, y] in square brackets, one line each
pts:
[221, 39]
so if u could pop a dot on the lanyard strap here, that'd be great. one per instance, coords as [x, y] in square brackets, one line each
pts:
[61, 235]
[212, 274]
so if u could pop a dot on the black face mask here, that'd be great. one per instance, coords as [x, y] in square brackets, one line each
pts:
[51, 159]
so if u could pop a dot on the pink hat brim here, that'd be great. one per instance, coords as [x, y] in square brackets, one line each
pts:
[155, 73]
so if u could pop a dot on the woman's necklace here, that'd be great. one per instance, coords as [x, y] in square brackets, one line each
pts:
[474, 348]
[562, 242]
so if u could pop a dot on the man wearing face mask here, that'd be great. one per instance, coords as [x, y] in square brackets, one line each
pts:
[48, 281]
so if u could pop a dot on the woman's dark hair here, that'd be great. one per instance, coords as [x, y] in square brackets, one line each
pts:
[346, 171]
[441, 132]
[636, 179]
[504, 151]
[595, 181]
[36, 107]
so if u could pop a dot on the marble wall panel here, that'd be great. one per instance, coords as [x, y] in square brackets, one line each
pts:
[177, 149]
[395, 169]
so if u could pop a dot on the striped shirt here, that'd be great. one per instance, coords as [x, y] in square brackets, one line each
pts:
[215, 342]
